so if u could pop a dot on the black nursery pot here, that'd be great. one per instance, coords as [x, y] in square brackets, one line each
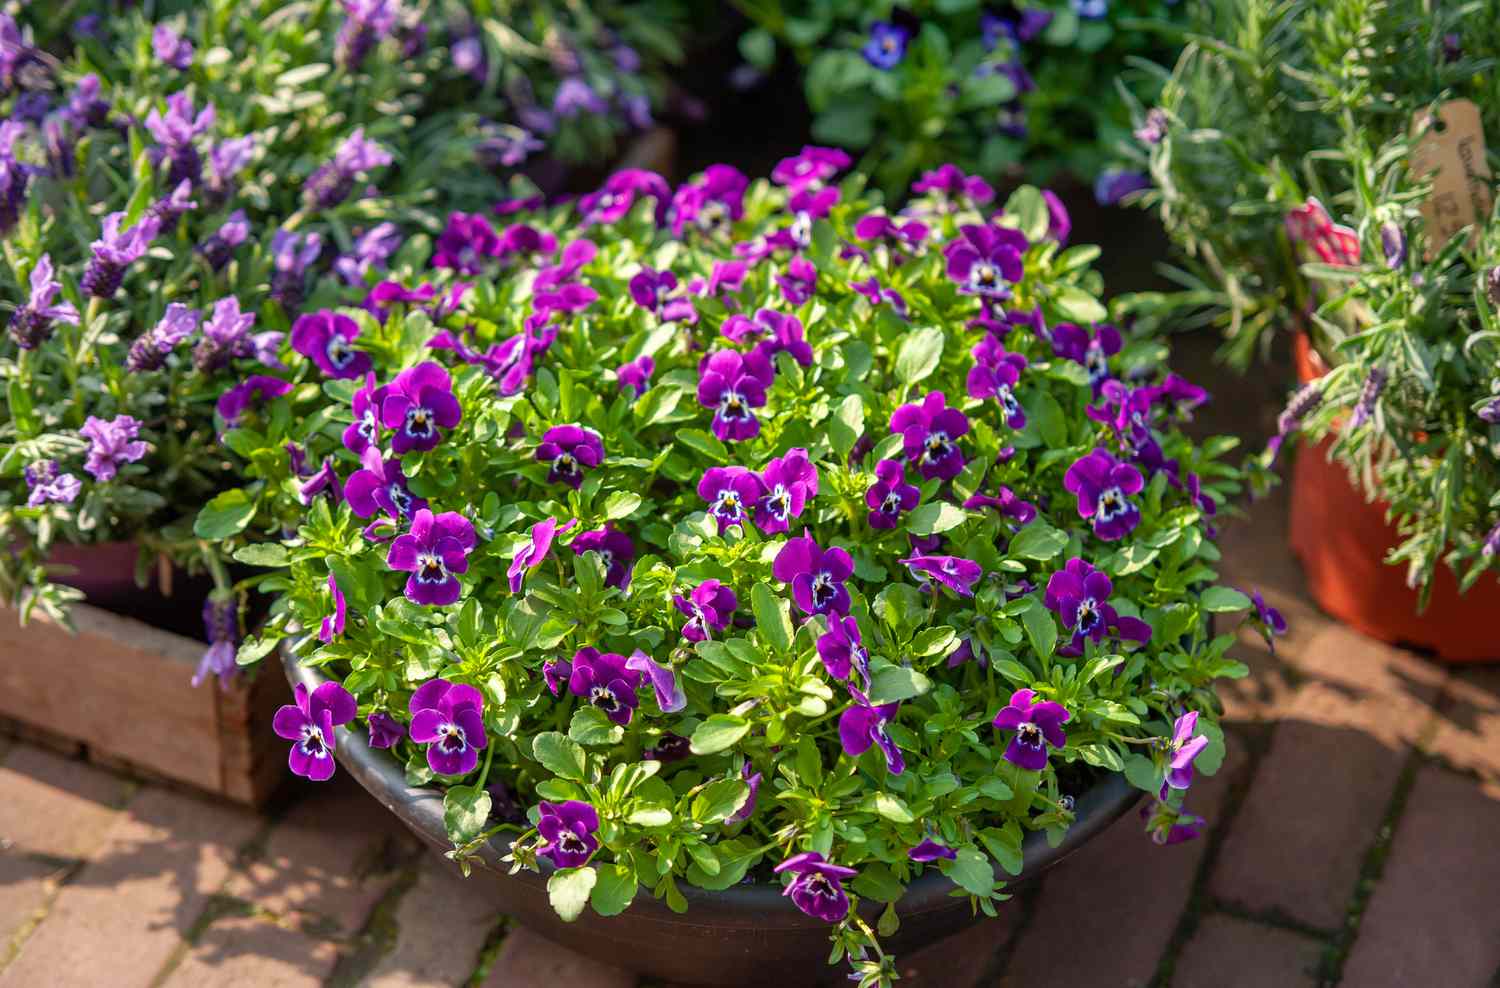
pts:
[748, 935]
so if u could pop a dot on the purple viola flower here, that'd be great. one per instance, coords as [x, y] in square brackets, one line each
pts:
[1114, 184]
[958, 575]
[984, 258]
[1038, 725]
[1103, 485]
[799, 282]
[253, 390]
[333, 624]
[1167, 825]
[575, 97]
[712, 202]
[709, 608]
[994, 375]
[872, 290]
[47, 484]
[635, 375]
[615, 550]
[1059, 224]
[113, 252]
[525, 242]
[811, 166]
[171, 48]
[31, 324]
[221, 627]
[380, 486]
[655, 291]
[433, 551]
[930, 850]
[1179, 396]
[1182, 750]
[862, 724]
[734, 384]
[929, 432]
[842, 649]
[731, 493]
[1091, 349]
[226, 336]
[533, 553]
[364, 431]
[789, 482]
[618, 196]
[887, 45]
[817, 886]
[908, 235]
[890, 496]
[372, 249]
[175, 131]
[331, 182]
[418, 403]
[309, 726]
[571, 450]
[1007, 502]
[568, 829]
[669, 695]
[816, 575]
[326, 338]
[217, 249]
[388, 294]
[465, 243]
[786, 337]
[1079, 594]
[1272, 625]
[291, 255]
[604, 680]
[449, 719]
[111, 443]
[950, 182]
[385, 730]
[324, 481]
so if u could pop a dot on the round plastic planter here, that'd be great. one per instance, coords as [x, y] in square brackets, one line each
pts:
[1342, 540]
[747, 935]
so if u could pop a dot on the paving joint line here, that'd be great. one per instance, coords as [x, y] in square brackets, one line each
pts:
[1025, 899]
[487, 953]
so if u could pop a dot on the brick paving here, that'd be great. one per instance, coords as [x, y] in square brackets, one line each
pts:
[1354, 840]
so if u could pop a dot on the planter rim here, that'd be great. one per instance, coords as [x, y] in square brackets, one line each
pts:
[759, 905]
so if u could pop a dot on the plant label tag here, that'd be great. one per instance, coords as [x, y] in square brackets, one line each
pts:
[1450, 148]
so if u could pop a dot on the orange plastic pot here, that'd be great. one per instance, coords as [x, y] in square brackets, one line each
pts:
[1342, 540]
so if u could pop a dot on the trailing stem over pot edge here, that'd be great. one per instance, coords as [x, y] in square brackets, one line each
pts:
[745, 528]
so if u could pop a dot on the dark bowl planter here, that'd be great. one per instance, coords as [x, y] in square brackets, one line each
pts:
[748, 935]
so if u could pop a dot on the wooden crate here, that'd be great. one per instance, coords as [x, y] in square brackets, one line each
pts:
[119, 690]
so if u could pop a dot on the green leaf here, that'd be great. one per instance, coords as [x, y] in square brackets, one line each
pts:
[919, 354]
[892, 683]
[591, 726]
[892, 807]
[717, 733]
[1222, 600]
[560, 755]
[1141, 772]
[621, 504]
[875, 881]
[703, 442]
[772, 616]
[569, 891]
[1030, 209]
[1041, 629]
[847, 425]
[935, 517]
[758, 48]
[1073, 304]
[226, 515]
[270, 554]
[614, 890]
[1038, 541]
[466, 809]
[971, 871]
[718, 801]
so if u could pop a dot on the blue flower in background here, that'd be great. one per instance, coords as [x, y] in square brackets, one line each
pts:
[1091, 10]
[887, 45]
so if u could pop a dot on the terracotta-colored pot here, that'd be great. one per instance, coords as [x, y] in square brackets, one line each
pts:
[1342, 541]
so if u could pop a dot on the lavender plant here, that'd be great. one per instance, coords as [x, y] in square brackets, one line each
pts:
[747, 531]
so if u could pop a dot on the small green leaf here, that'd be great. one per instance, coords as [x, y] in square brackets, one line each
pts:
[560, 755]
[919, 354]
[971, 871]
[621, 504]
[891, 807]
[1073, 304]
[591, 726]
[718, 733]
[569, 891]
[1030, 209]
[226, 515]
[1041, 629]
[1038, 541]
[772, 617]
[614, 890]
[269, 554]
[466, 809]
[1222, 600]
[718, 801]
[935, 517]
[892, 683]
[847, 425]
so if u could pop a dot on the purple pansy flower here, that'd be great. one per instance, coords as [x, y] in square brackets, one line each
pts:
[1114, 184]
[862, 724]
[816, 575]
[984, 258]
[817, 886]
[433, 551]
[1182, 750]
[1008, 503]
[614, 200]
[255, 388]
[615, 550]
[786, 337]
[1092, 350]
[1168, 825]
[799, 282]
[950, 181]
[31, 324]
[930, 850]
[465, 243]
[709, 608]
[731, 493]
[994, 375]
[1079, 594]
[380, 486]
[887, 45]
[113, 252]
[571, 450]
[929, 433]
[733, 385]
[890, 496]
[385, 730]
[654, 291]
[569, 829]
[953, 572]
[712, 202]
[1059, 224]
[574, 256]
[364, 431]
[111, 444]
[872, 290]
[1103, 485]
[333, 624]
[842, 649]
[449, 719]
[309, 726]
[604, 680]
[635, 375]
[1037, 723]
[326, 338]
[669, 695]
[1269, 619]
[908, 235]
[47, 483]
[811, 166]
[419, 402]
[789, 482]
[533, 553]
[372, 249]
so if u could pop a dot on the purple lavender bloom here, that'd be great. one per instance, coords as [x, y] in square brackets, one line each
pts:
[385, 730]
[149, 351]
[433, 551]
[226, 159]
[31, 324]
[47, 484]
[930, 850]
[887, 45]
[14, 176]
[326, 338]
[449, 719]
[812, 166]
[1393, 244]
[292, 254]
[331, 183]
[653, 291]
[254, 389]
[712, 202]
[1091, 349]
[734, 385]
[1167, 825]
[506, 146]
[1114, 184]
[111, 444]
[669, 695]
[635, 375]
[574, 97]
[950, 182]
[1154, 128]
[615, 550]
[1079, 594]
[929, 433]
[464, 244]
[309, 726]
[1272, 625]
[169, 209]
[115, 251]
[571, 450]
[372, 249]
[418, 403]
[958, 575]
[984, 258]
[994, 375]
[171, 48]
[890, 496]
[85, 108]
[709, 608]
[1300, 406]
[1182, 750]
[1103, 485]
[789, 482]
[226, 336]
[816, 575]
[1008, 503]
[817, 886]
[18, 56]
[365, 23]
[219, 247]
[1369, 394]
[1037, 723]
[569, 829]
[534, 553]
[604, 680]
[862, 725]
[731, 492]
[175, 131]
[842, 649]
[333, 624]
[380, 486]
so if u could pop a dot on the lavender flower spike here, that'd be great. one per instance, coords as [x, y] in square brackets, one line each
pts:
[113, 252]
[112, 443]
[31, 324]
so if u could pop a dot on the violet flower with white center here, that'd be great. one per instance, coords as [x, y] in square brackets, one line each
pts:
[418, 403]
[1037, 725]
[950, 183]
[333, 624]
[1091, 349]
[929, 436]
[618, 196]
[799, 282]
[534, 552]
[1103, 486]
[890, 496]
[465, 243]
[568, 829]
[875, 294]
[226, 336]
[1079, 594]
[930, 850]
[333, 180]
[327, 339]
[734, 385]
[862, 724]
[571, 450]
[150, 349]
[254, 389]
[372, 249]
[710, 203]
[47, 484]
[615, 550]
[113, 252]
[219, 246]
[171, 48]
[789, 482]
[994, 375]
[111, 443]
[709, 607]
[604, 681]
[292, 254]
[385, 730]
[31, 324]
[635, 375]
[731, 493]
[886, 46]
[986, 259]
[816, 575]
[380, 487]
[842, 649]
[434, 550]
[1114, 185]
[817, 886]
[309, 726]
[812, 166]
[365, 23]
[957, 574]
[654, 291]
[449, 719]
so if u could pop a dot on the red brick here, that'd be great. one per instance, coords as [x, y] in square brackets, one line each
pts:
[961, 960]
[24, 888]
[56, 806]
[1121, 895]
[325, 857]
[124, 914]
[442, 922]
[1230, 953]
[1468, 734]
[245, 951]
[527, 960]
[1434, 917]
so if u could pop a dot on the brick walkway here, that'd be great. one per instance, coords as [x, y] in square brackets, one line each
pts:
[1355, 840]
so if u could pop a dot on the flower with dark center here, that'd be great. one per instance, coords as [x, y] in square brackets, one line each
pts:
[255, 389]
[734, 384]
[816, 575]
[929, 431]
[890, 496]
[886, 46]
[1037, 725]
[789, 482]
[615, 550]
[449, 719]
[1091, 349]
[417, 404]
[862, 725]
[380, 487]
[1079, 594]
[731, 493]
[1102, 485]
[434, 550]
[309, 726]
[466, 243]
[994, 375]
[985, 260]
[568, 829]
[817, 886]
[606, 681]
[709, 607]
[327, 339]
[571, 450]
